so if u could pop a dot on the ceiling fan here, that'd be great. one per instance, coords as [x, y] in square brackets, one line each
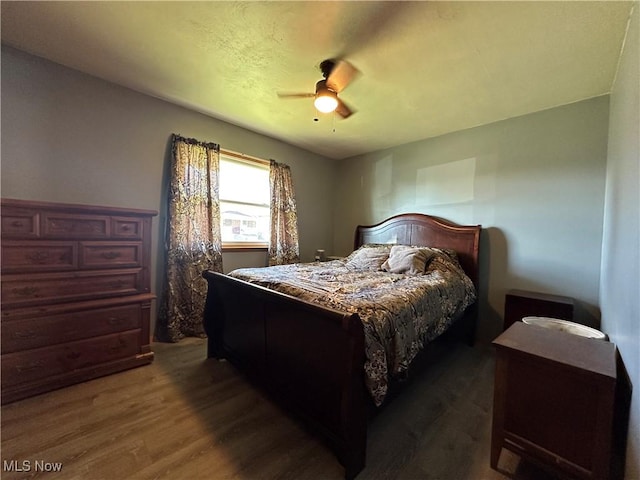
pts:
[337, 75]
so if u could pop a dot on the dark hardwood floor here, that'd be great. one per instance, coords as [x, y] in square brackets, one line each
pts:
[189, 417]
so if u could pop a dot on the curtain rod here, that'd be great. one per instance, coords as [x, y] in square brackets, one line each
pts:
[229, 153]
[242, 156]
[176, 137]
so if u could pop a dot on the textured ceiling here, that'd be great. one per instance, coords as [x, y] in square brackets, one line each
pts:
[427, 68]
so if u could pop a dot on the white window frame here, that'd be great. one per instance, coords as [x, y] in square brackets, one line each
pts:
[253, 161]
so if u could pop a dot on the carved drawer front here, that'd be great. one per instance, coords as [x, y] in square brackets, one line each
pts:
[36, 289]
[30, 255]
[124, 227]
[110, 254]
[62, 225]
[42, 363]
[65, 327]
[20, 223]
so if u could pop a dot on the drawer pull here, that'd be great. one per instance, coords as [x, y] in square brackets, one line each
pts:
[25, 334]
[30, 366]
[38, 257]
[25, 291]
[110, 255]
[125, 228]
[17, 224]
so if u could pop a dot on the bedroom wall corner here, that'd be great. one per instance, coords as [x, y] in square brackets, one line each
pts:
[620, 280]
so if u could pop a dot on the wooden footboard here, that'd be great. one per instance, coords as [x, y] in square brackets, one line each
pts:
[310, 358]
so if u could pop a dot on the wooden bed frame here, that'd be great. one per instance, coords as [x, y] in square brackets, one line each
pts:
[311, 358]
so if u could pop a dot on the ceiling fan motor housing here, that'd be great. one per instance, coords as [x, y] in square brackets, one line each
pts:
[321, 87]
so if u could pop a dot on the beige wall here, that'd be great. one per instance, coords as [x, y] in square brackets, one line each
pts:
[620, 280]
[535, 183]
[69, 137]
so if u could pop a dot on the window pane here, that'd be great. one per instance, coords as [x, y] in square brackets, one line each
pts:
[241, 182]
[244, 201]
[244, 223]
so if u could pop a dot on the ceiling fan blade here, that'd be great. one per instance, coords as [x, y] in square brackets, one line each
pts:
[343, 110]
[296, 95]
[341, 75]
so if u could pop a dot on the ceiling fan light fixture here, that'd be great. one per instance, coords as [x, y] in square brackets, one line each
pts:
[326, 100]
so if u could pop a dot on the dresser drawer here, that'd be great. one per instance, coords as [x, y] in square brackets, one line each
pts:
[29, 255]
[19, 222]
[70, 225]
[110, 254]
[25, 290]
[127, 228]
[33, 365]
[52, 329]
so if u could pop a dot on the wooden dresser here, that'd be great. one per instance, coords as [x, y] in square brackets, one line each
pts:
[76, 296]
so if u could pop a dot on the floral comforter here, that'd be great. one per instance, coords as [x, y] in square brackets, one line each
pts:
[401, 313]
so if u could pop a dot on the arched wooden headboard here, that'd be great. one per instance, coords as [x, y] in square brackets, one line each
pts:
[426, 231]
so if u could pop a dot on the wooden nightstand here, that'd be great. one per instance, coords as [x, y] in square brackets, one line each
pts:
[522, 303]
[554, 401]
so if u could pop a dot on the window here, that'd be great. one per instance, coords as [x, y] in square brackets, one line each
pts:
[244, 201]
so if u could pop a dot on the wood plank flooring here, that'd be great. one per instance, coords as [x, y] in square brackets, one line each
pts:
[188, 417]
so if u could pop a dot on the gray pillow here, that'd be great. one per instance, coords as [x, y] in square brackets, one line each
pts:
[368, 257]
[407, 260]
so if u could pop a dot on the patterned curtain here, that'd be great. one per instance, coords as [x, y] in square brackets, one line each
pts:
[193, 241]
[283, 247]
